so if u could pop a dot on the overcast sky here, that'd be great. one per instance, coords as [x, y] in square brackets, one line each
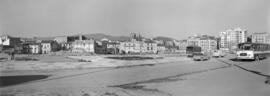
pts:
[172, 18]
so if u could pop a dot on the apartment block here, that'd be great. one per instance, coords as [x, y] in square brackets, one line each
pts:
[230, 38]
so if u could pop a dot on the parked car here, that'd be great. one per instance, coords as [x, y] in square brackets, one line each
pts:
[218, 53]
[201, 57]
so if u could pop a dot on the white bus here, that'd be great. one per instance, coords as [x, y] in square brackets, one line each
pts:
[252, 51]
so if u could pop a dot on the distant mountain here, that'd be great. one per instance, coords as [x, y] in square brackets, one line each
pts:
[163, 38]
[43, 38]
[99, 36]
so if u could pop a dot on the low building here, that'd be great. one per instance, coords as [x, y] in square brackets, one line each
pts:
[100, 47]
[161, 48]
[83, 46]
[208, 45]
[35, 48]
[112, 47]
[183, 45]
[135, 46]
[49, 46]
[260, 37]
[9, 41]
[132, 46]
[150, 47]
[63, 42]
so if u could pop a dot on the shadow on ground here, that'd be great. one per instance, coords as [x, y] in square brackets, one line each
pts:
[130, 58]
[13, 80]
[248, 60]
[25, 59]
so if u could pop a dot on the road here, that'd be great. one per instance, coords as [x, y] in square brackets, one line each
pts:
[188, 78]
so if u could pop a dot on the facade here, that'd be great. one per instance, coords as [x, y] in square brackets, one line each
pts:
[35, 48]
[49, 46]
[63, 42]
[208, 45]
[150, 47]
[132, 46]
[112, 47]
[230, 38]
[83, 46]
[9, 41]
[161, 48]
[46, 48]
[262, 37]
[135, 46]
[100, 47]
[183, 45]
[193, 42]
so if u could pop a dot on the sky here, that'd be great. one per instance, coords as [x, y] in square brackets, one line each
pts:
[172, 18]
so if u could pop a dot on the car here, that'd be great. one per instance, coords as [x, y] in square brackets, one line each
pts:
[201, 57]
[218, 53]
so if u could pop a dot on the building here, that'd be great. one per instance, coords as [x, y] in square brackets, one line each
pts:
[63, 42]
[193, 41]
[49, 46]
[230, 38]
[35, 48]
[132, 46]
[149, 46]
[136, 36]
[9, 41]
[183, 45]
[83, 46]
[161, 48]
[99, 47]
[207, 44]
[112, 47]
[135, 45]
[262, 37]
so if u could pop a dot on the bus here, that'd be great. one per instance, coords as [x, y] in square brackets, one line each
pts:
[191, 50]
[252, 51]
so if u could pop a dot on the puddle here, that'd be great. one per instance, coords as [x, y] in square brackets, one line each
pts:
[13, 80]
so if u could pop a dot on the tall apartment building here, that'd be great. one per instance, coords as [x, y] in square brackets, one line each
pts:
[230, 38]
[260, 37]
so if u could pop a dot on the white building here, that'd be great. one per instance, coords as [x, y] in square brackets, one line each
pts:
[208, 45]
[150, 47]
[9, 41]
[35, 48]
[135, 46]
[132, 46]
[262, 37]
[83, 46]
[230, 38]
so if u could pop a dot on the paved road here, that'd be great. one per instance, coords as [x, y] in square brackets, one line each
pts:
[204, 78]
